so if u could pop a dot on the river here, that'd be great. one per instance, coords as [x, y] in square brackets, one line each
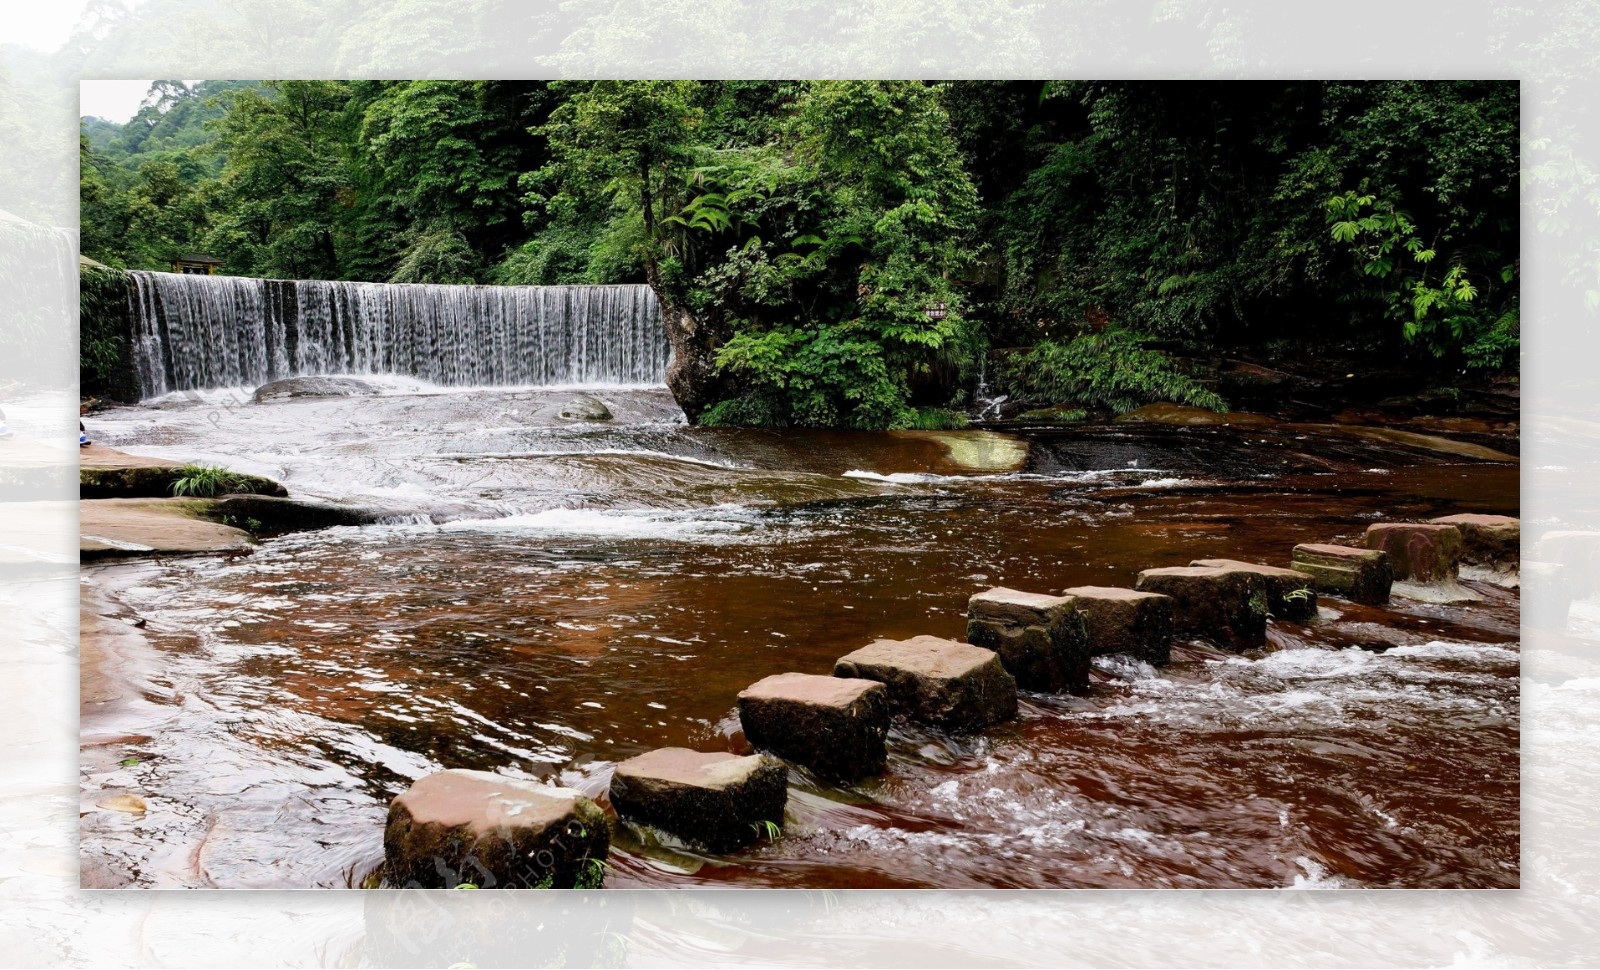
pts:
[551, 597]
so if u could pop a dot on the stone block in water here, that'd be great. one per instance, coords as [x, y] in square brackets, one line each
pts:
[1290, 595]
[832, 725]
[1487, 540]
[1225, 606]
[944, 683]
[495, 832]
[1039, 638]
[716, 800]
[1125, 621]
[1359, 575]
[1418, 552]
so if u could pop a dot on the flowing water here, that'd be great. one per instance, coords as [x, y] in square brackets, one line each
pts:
[552, 597]
[192, 331]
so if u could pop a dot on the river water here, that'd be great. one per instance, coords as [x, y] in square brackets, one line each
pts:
[552, 597]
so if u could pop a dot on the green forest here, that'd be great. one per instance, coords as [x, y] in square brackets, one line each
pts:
[1085, 239]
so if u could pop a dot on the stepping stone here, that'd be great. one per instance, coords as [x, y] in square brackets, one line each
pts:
[834, 726]
[1487, 540]
[1126, 621]
[1225, 606]
[1290, 596]
[715, 800]
[950, 685]
[1419, 552]
[1359, 575]
[1039, 638]
[478, 827]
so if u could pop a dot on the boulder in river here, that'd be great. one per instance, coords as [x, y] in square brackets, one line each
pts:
[491, 831]
[1419, 552]
[1226, 606]
[312, 386]
[1126, 621]
[1359, 575]
[585, 409]
[834, 726]
[944, 683]
[1290, 595]
[716, 800]
[1039, 638]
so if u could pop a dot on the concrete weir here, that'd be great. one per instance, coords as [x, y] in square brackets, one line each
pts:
[1039, 638]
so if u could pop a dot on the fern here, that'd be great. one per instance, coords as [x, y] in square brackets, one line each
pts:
[1103, 370]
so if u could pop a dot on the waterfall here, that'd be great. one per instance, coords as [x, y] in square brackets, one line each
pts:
[193, 331]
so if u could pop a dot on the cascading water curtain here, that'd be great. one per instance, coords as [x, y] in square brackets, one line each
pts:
[192, 331]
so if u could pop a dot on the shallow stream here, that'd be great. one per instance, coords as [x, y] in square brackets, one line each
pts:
[552, 597]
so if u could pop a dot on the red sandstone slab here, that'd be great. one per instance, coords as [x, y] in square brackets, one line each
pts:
[1419, 552]
[834, 726]
[1128, 621]
[713, 799]
[477, 827]
[1039, 638]
[951, 685]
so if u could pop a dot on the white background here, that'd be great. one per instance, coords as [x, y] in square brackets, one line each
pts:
[1551, 47]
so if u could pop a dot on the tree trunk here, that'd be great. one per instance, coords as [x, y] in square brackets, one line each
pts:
[692, 375]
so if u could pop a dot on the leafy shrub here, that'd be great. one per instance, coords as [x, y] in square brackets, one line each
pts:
[102, 326]
[205, 481]
[822, 378]
[936, 419]
[1101, 370]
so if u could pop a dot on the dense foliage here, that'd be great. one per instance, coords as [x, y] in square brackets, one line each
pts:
[799, 232]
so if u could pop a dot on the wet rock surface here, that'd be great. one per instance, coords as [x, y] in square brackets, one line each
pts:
[943, 683]
[269, 514]
[715, 800]
[1038, 637]
[1226, 606]
[119, 528]
[107, 473]
[1125, 621]
[297, 387]
[1361, 575]
[835, 726]
[1494, 541]
[1290, 595]
[1419, 552]
[585, 409]
[477, 827]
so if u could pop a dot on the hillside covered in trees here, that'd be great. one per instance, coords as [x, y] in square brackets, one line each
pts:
[1085, 238]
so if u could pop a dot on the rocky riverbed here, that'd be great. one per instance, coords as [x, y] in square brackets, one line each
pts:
[546, 597]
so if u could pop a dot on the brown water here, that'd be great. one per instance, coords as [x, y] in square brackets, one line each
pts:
[562, 598]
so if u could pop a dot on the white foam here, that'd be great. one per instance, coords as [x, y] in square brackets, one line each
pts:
[720, 523]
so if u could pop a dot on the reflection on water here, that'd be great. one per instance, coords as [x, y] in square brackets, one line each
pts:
[572, 595]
